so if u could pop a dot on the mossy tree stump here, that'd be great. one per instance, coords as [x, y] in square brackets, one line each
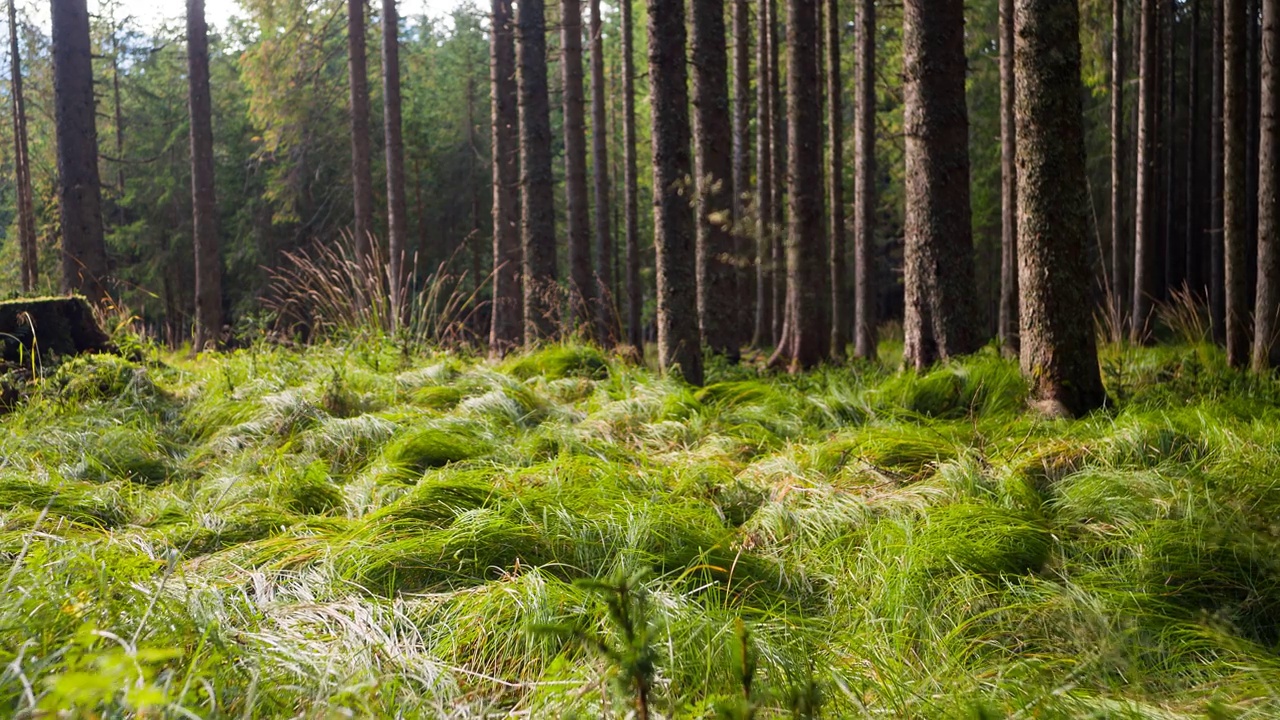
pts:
[49, 326]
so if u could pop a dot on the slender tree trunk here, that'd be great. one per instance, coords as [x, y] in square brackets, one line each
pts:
[635, 295]
[84, 255]
[742, 254]
[397, 204]
[361, 167]
[1008, 315]
[763, 333]
[679, 347]
[864, 183]
[208, 263]
[578, 225]
[1194, 236]
[1253, 89]
[940, 318]
[712, 139]
[1174, 251]
[537, 222]
[1119, 157]
[606, 309]
[835, 182]
[119, 119]
[1058, 355]
[802, 340]
[22, 163]
[1265, 348]
[1234, 218]
[1218, 300]
[779, 261]
[506, 322]
[1146, 254]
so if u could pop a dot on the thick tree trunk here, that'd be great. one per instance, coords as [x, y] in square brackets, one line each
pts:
[84, 254]
[835, 182]
[743, 254]
[712, 140]
[679, 347]
[864, 182]
[802, 341]
[763, 332]
[606, 309]
[506, 323]
[537, 222]
[393, 136]
[1265, 348]
[1119, 159]
[208, 262]
[26, 220]
[631, 203]
[577, 222]
[1194, 236]
[1217, 290]
[940, 318]
[361, 167]
[1059, 355]
[1146, 255]
[1234, 241]
[1008, 315]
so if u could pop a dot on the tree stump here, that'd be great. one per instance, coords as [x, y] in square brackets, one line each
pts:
[49, 326]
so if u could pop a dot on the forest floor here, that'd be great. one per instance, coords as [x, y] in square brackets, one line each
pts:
[349, 531]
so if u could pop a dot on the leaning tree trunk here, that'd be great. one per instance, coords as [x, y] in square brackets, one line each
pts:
[763, 331]
[1234, 240]
[208, 263]
[361, 167]
[1008, 315]
[1217, 302]
[606, 309]
[1265, 353]
[940, 320]
[631, 214]
[835, 182]
[1119, 160]
[1058, 353]
[397, 204]
[745, 294]
[1146, 256]
[84, 254]
[537, 221]
[577, 223]
[26, 219]
[864, 178]
[679, 347]
[712, 140]
[505, 322]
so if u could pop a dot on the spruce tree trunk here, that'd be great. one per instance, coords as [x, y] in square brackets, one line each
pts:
[763, 331]
[1217, 290]
[577, 222]
[506, 323]
[26, 220]
[607, 308]
[208, 262]
[1234, 220]
[361, 167]
[835, 183]
[679, 347]
[635, 294]
[743, 253]
[537, 221]
[1058, 355]
[1146, 254]
[1008, 315]
[1265, 348]
[397, 204]
[84, 254]
[864, 183]
[1194, 236]
[940, 320]
[1119, 159]
[1173, 249]
[1253, 89]
[779, 261]
[712, 139]
[803, 340]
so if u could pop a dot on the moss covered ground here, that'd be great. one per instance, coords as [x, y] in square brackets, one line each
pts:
[346, 531]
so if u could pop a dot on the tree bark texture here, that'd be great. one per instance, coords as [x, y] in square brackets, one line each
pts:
[204, 206]
[779, 169]
[1217, 302]
[940, 320]
[631, 203]
[836, 232]
[1119, 161]
[361, 167]
[864, 182]
[1194, 239]
[1146, 253]
[679, 347]
[763, 331]
[26, 220]
[1265, 353]
[393, 141]
[537, 221]
[1234, 220]
[742, 251]
[607, 308]
[506, 322]
[577, 210]
[1007, 326]
[84, 255]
